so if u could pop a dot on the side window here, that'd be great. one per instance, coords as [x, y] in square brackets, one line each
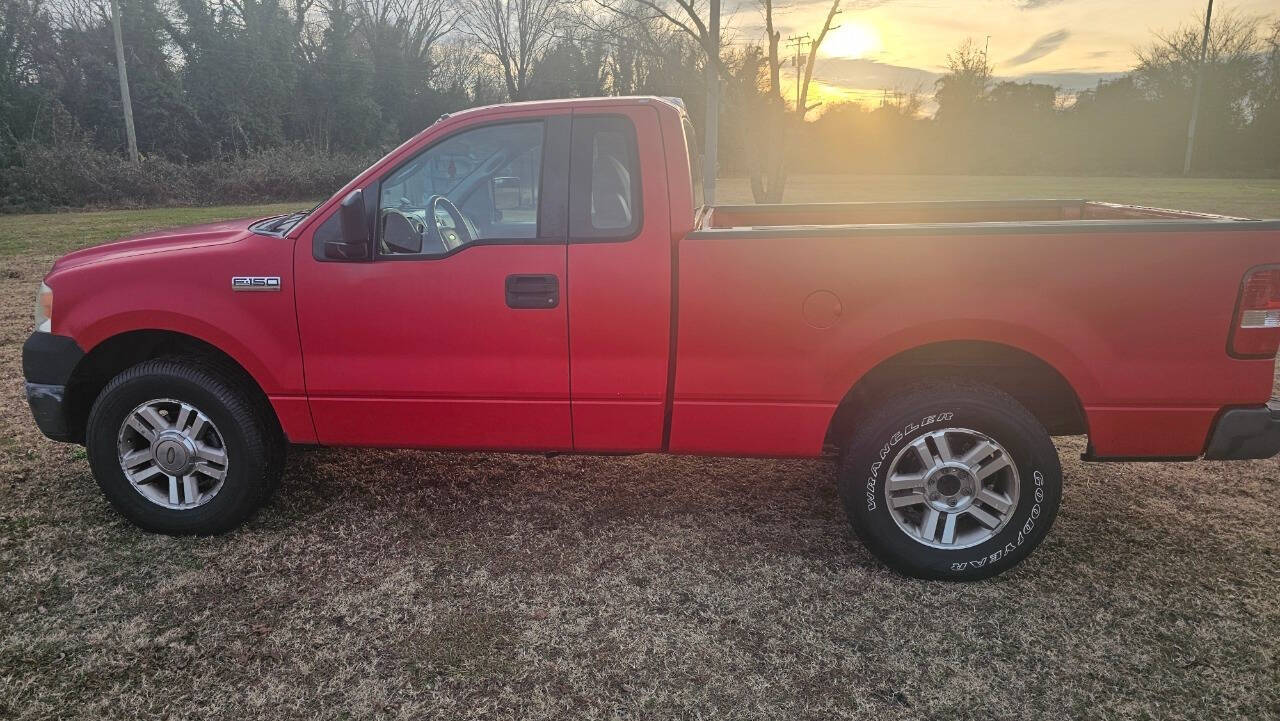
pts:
[480, 184]
[604, 195]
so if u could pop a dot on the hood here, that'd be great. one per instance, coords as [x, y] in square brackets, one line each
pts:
[192, 236]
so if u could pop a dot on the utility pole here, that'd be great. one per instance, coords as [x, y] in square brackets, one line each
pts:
[1195, 99]
[709, 160]
[124, 83]
[800, 43]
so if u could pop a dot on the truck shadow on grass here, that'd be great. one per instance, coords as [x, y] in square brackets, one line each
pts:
[532, 502]
[1119, 515]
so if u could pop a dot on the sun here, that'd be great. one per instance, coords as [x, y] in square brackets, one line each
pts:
[852, 40]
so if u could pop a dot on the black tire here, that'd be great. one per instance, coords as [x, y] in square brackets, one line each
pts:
[893, 421]
[253, 443]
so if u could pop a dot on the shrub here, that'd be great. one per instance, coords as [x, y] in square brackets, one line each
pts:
[74, 174]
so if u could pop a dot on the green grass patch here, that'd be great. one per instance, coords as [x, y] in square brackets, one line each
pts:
[1247, 197]
[57, 233]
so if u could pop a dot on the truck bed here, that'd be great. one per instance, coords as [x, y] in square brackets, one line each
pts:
[935, 212]
[1131, 306]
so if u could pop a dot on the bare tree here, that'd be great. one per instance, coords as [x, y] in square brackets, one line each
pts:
[516, 34]
[415, 25]
[690, 17]
[802, 101]
[768, 169]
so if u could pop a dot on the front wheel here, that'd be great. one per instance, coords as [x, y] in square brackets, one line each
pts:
[950, 480]
[180, 446]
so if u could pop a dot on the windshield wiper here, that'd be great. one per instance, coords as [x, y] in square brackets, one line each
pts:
[285, 219]
[290, 219]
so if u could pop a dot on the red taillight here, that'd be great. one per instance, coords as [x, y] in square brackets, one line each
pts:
[1256, 331]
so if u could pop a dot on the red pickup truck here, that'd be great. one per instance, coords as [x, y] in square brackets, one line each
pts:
[543, 277]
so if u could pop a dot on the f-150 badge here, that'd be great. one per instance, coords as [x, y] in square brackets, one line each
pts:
[255, 282]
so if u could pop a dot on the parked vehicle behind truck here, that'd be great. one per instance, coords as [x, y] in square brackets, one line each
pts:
[544, 277]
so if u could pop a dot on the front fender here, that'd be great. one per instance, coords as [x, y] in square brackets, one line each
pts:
[189, 291]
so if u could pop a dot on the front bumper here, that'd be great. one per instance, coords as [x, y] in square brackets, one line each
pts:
[47, 363]
[1246, 433]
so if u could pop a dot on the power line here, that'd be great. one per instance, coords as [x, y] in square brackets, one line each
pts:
[124, 84]
[801, 43]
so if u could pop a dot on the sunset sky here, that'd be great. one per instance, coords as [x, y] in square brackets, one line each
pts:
[903, 44]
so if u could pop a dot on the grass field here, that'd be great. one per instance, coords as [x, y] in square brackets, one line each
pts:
[403, 584]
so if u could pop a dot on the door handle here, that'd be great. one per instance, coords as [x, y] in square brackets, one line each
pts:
[533, 291]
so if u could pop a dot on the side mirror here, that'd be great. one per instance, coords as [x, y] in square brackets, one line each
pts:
[506, 192]
[355, 243]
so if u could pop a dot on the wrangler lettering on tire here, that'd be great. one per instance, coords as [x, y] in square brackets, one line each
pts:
[950, 480]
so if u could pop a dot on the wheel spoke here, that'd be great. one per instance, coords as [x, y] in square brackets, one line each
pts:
[190, 488]
[983, 517]
[197, 426]
[905, 481]
[143, 475]
[944, 449]
[910, 499]
[173, 490]
[997, 501]
[216, 474]
[929, 524]
[949, 529]
[978, 453]
[153, 418]
[927, 461]
[992, 467]
[211, 454]
[184, 415]
[137, 424]
[136, 458]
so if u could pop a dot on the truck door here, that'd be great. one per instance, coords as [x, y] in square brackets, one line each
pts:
[620, 270]
[455, 333]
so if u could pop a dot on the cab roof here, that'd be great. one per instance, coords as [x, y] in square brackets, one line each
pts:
[562, 103]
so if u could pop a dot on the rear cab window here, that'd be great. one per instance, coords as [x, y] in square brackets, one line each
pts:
[605, 199]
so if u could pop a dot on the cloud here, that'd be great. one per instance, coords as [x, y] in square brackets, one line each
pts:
[865, 74]
[872, 74]
[1068, 80]
[1036, 4]
[1042, 46]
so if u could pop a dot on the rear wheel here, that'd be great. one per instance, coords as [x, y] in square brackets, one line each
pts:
[180, 446]
[950, 480]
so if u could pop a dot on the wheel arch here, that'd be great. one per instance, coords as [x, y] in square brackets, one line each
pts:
[112, 355]
[1031, 380]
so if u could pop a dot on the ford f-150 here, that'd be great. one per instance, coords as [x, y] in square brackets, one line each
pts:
[544, 277]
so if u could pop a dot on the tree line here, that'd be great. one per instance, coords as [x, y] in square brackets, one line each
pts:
[245, 86]
[1132, 124]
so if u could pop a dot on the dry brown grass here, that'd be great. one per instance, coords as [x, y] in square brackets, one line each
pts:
[406, 584]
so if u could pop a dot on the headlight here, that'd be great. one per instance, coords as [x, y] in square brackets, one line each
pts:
[44, 309]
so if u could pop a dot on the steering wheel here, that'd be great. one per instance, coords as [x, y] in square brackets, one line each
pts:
[462, 231]
[401, 232]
